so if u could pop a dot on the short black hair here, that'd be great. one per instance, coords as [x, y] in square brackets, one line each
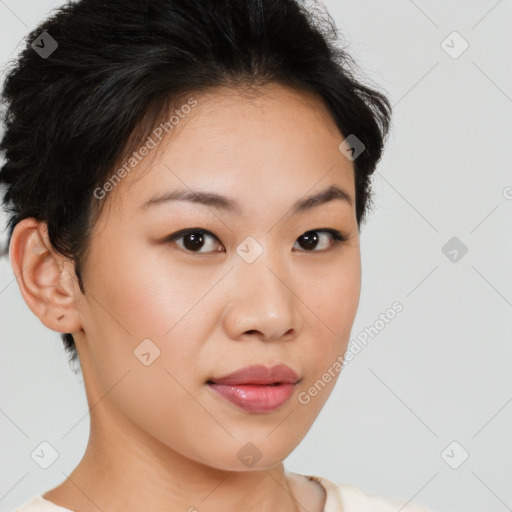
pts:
[114, 70]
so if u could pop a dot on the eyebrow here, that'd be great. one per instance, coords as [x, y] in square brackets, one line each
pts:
[327, 195]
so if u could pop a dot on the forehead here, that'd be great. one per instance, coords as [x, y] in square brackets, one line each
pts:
[268, 143]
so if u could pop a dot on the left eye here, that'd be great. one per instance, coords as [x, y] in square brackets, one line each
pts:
[194, 239]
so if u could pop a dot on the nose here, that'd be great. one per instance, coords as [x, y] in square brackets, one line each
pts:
[263, 302]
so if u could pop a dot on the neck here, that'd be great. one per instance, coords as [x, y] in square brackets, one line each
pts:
[125, 470]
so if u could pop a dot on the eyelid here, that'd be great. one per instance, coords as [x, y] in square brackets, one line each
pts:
[339, 237]
[187, 231]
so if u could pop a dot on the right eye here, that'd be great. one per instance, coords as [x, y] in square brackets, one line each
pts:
[193, 240]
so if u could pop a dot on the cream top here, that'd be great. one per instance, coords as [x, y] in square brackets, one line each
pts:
[339, 498]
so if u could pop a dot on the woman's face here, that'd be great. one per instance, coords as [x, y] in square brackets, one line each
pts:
[258, 283]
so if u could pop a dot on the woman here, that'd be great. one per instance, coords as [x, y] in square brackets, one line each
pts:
[187, 180]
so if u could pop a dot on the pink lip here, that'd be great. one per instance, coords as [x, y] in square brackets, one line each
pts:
[257, 388]
[259, 374]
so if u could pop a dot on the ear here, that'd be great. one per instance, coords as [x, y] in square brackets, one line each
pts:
[46, 278]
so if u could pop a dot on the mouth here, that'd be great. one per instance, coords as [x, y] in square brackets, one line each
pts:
[257, 389]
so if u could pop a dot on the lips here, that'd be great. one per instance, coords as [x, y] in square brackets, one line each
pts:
[257, 389]
[259, 374]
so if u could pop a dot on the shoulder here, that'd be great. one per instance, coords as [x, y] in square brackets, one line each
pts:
[358, 499]
[38, 504]
[345, 497]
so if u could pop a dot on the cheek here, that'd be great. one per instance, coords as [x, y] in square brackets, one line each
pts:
[145, 352]
[146, 293]
[329, 311]
[149, 310]
[332, 296]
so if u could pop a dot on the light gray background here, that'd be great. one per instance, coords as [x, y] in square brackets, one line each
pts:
[440, 371]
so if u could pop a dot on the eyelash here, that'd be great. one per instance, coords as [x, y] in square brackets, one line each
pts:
[338, 238]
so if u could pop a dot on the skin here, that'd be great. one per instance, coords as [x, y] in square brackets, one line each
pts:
[160, 439]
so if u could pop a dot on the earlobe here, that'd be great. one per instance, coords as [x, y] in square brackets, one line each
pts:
[45, 277]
